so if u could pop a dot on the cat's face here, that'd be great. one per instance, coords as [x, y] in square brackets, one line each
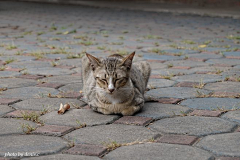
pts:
[111, 74]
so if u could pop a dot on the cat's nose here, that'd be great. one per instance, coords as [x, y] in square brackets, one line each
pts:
[111, 90]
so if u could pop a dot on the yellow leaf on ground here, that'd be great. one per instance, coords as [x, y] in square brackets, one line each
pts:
[202, 46]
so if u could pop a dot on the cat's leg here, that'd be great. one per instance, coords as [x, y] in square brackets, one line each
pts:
[130, 110]
[103, 111]
[94, 106]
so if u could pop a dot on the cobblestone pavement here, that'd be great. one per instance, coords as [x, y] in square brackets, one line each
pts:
[192, 109]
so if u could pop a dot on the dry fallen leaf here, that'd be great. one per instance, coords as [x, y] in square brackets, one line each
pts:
[63, 108]
[202, 46]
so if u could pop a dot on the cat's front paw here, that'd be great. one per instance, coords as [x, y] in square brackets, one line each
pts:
[130, 111]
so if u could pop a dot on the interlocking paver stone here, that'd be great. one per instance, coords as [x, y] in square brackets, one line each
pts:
[63, 79]
[193, 125]
[50, 85]
[205, 56]
[171, 71]
[188, 84]
[159, 111]
[71, 94]
[232, 116]
[5, 109]
[47, 103]
[210, 69]
[224, 61]
[205, 78]
[21, 113]
[8, 101]
[227, 158]
[226, 94]
[182, 50]
[211, 103]
[224, 87]
[28, 92]
[222, 144]
[206, 113]
[157, 150]
[37, 144]
[234, 55]
[29, 64]
[11, 126]
[180, 67]
[177, 139]
[28, 76]
[72, 87]
[142, 121]
[49, 71]
[169, 100]
[161, 57]
[16, 82]
[186, 63]
[64, 156]
[87, 149]
[53, 130]
[108, 133]
[158, 83]
[71, 118]
[174, 92]
[7, 74]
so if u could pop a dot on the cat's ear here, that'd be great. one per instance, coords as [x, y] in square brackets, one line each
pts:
[127, 61]
[93, 61]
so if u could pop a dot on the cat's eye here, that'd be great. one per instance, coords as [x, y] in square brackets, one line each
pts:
[119, 80]
[103, 80]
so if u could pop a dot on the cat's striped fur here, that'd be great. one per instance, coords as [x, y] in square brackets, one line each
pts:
[114, 85]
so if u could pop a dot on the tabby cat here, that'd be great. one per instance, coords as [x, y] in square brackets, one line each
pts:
[114, 85]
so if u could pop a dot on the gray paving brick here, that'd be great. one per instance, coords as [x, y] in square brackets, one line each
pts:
[63, 156]
[65, 79]
[107, 134]
[224, 87]
[211, 103]
[232, 116]
[222, 144]
[47, 103]
[76, 116]
[35, 144]
[7, 74]
[16, 82]
[72, 87]
[191, 48]
[28, 92]
[192, 125]
[159, 110]
[156, 150]
[12, 126]
[204, 78]
[174, 92]
[5, 109]
[49, 71]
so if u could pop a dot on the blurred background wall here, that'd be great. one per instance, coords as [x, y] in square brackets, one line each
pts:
[200, 3]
